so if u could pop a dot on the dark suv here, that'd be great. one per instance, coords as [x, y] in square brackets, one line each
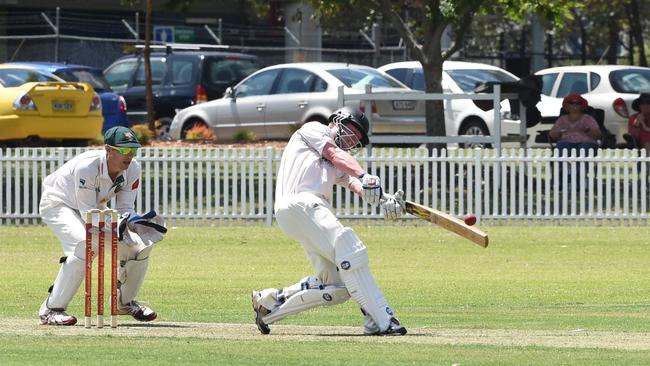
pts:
[180, 79]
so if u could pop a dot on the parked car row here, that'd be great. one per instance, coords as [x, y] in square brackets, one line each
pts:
[228, 93]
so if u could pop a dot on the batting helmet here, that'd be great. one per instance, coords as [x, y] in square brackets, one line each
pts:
[354, 117]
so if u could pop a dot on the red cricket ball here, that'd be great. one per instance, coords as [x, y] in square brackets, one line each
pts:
[470, 219]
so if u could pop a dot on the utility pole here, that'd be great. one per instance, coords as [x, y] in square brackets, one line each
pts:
[147, 68]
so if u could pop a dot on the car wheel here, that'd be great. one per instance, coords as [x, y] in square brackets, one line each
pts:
[206, 134]
[162, 129]
[474, 127]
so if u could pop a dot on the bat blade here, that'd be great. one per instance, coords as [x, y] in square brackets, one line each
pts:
[447, 222]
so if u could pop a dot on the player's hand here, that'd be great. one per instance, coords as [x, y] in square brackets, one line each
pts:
[392, 205]
[371, 189]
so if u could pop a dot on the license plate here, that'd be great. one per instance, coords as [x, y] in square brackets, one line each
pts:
[403, 105]
[62, 106]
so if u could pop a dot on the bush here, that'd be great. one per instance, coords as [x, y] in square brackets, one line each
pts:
[199, 132]
[244, 135]
[143, 133]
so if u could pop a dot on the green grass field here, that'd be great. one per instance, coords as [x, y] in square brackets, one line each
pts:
[536, 296]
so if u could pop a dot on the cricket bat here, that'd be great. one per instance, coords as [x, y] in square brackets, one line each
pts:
[447, 222]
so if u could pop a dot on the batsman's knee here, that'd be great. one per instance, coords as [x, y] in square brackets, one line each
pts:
[349, 251]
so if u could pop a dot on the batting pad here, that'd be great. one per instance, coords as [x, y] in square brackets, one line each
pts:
[132, 278]
[307, 299]
[67, 283]
[352, 261]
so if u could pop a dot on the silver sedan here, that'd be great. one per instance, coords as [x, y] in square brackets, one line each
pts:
[274, 101]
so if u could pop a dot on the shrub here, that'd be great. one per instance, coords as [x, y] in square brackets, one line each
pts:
[143, 133]
[199, 132]
[244, 135]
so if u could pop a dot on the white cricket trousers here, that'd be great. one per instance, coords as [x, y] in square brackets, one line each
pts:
[310, 220]
[67, 225]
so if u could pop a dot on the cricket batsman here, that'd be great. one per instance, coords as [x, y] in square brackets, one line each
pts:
[89, 181]
[317, 157]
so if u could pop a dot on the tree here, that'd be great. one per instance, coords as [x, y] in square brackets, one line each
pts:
[147, 68]
[422, 25]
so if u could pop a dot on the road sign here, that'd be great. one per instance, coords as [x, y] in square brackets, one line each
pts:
[163, 34]
[184, 34]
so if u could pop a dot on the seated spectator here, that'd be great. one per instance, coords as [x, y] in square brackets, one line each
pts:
[638, 125]
[576, 129]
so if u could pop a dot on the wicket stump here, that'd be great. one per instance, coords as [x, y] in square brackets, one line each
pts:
[100, 229]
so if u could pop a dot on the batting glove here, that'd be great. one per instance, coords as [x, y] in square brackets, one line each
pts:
[392, 205]
[372, 192]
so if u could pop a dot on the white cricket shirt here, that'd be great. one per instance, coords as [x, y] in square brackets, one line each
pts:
[83, 183]
[303, 168]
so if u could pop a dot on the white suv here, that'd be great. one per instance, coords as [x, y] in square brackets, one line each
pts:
[462, 116]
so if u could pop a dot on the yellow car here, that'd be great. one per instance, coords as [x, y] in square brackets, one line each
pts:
[37, 106]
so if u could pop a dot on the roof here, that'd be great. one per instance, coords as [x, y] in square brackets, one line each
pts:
[601, 68]
[51, 67]
[447, 65]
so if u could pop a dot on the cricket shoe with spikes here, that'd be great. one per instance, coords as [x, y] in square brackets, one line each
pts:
[138, 311]
[260, 312]
[57, 317]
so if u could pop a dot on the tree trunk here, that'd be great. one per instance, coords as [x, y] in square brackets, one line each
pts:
[147, 68]
[637, 31]
[613, 29]
[435, 113]
[583, 41]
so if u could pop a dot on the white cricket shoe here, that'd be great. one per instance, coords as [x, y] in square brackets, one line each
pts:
[137, 311]
[57, 317]
[260, 312]
[370, 328]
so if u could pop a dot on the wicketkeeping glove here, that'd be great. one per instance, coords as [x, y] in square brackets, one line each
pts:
[392, 205]
[149, 228]
[372, 192]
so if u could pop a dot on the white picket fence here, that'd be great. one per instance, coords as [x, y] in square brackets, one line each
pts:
[214, 186]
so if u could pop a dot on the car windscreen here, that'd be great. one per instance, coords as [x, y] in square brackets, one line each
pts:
[630, 81]
[18, 77]
[358, 78]
[94, 78]
[469, 79]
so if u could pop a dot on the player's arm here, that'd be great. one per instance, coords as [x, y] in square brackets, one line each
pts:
[369, 186]
[342, 160]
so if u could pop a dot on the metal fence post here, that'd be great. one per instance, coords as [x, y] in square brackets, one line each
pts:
[269, 186]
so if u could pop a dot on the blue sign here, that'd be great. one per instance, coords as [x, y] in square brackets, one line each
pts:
[163, 34]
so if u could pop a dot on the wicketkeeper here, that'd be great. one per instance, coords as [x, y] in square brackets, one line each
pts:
[88, 181]
[317, 157]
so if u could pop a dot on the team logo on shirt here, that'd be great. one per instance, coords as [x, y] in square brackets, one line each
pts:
[118, 184]
[82, 185]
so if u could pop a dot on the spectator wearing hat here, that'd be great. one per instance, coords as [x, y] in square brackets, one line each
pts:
[638, 125]
[575, 129]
